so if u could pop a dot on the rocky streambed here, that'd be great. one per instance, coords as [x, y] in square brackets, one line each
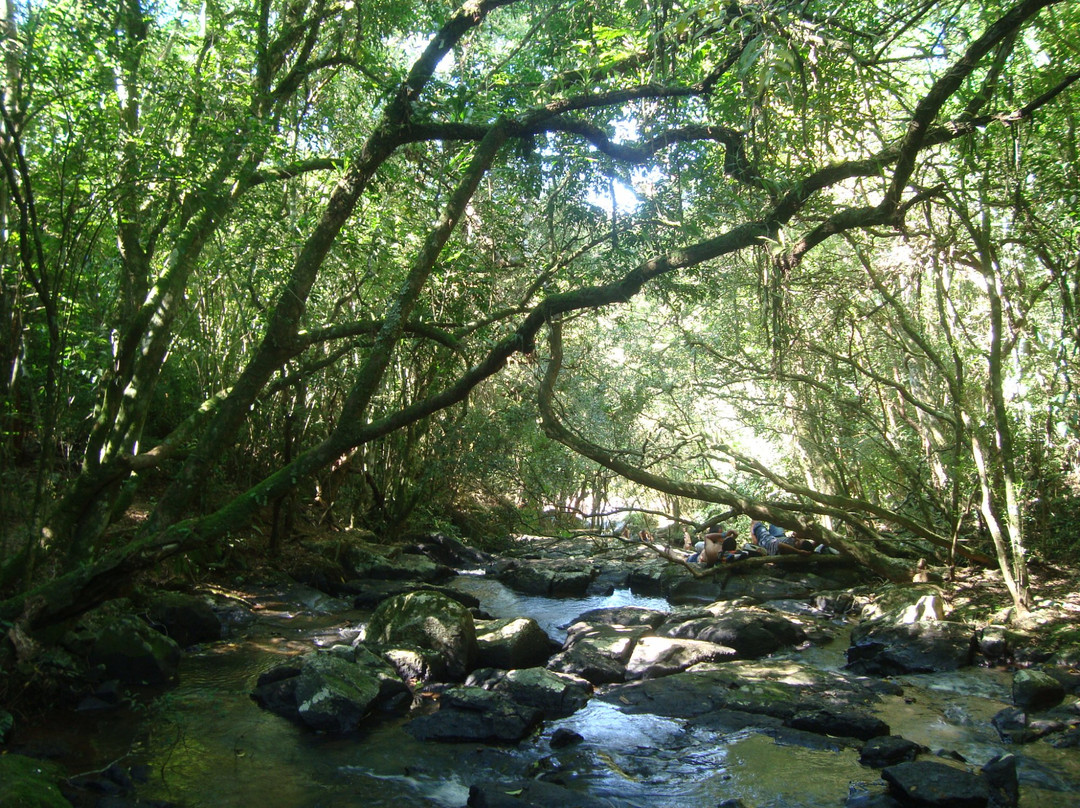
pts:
[568, 673]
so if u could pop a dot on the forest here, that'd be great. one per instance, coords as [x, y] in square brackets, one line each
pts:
[272, 267]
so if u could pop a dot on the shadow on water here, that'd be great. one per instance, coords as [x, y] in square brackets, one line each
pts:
[204, 742]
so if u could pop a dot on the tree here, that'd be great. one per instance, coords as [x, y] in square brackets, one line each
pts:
[435, 215]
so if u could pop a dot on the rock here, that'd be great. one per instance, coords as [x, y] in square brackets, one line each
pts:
[334, 694]
[778, 688]
[510, 644]
[555, 695]
[612, 641]
[752, 633]
[1033, 690]
[330, 690]
[883, 648]
[361, 563]
[563, 737]
[131, 651]
[1016, 726]
[368, 594]
[936, 785]
[621, 616]
[842, 723]
[30, 783]
[553, 578]
[653, 657]
[426, 620]
[1000, 773]
[187, 619]
[906, 604]
[448, 551]
[586, 661]
[889, 750]
[530, 794]
[474, 714]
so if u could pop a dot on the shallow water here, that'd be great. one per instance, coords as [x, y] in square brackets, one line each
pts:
[204, 742]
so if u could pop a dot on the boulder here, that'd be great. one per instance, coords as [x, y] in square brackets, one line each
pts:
[612, 641]
[840, 723]
[473, 714]
[653, 657]
[589, 663]
[426, 620]
[187, 619]
[936, 785]
[621, 616]
[751, 633]
[555, 695]
[448, 551]
[888, 750]
[331, 690]
[512, 643]
[553, 578]
[1034, 690]
[885, 648]
[1016, 726]
[530, 794]
[129, 650]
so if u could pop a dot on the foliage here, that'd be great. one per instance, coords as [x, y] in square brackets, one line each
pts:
[294, 260]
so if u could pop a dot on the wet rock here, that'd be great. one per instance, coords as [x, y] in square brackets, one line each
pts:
[1000, 773]
[334, 693]
[187, 619]
[563, 737]
[530, 794]
[883, 648]
[778, 688]
[589, 663]
[1016, 726]
[448, 551]
[889, 750]
[553, 578]
[275, 691]
[751, 633]
[475, 714]
[1033, 690]
[653, 657]
[29, 782]
[510, 643]
[843, 723]
[621, 616]
[128, 649]
[613, 641]
[936, 785]
[555, 695]
[427, 620]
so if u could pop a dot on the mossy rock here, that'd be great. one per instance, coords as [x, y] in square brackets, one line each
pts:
[30, 783]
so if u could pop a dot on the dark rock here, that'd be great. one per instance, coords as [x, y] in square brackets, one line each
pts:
[888, 649]
[622, 616]
[562, 737]
[847, 724]
[1016, 726]
[129, 650]
[555, 695]
[187, 619]
[474, 714]
[586, 661]
[557, 578]
[889, 750]
[511, 643]
[530, 794]
[936, 785]
[1033, 690]
[427, 620]
[752, 633]
[448, 551]
[1000, 773]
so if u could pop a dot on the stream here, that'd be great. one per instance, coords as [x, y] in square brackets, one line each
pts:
[204, 742]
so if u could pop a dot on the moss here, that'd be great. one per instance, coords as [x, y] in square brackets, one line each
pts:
[30, 783]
